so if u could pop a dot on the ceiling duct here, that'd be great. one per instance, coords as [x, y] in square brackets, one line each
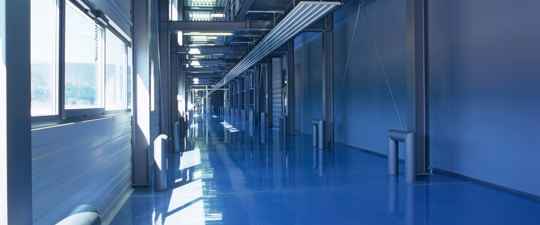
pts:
[303, 15]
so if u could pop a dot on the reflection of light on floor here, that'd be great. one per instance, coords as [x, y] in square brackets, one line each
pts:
[190, 158]
[192, 214]
[229, 127]
[214, 116]
[214, 217]
[197, 175]
[182, 196]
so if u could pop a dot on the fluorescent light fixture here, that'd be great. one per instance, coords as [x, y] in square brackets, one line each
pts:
[199, 45]
[195, 63]
[195, 80]
[202, 3]
[303, 15]
[194, 51]
[208, 33]
[217, 15]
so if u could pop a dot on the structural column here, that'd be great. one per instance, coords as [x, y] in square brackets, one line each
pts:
[15, 120]
[268, 94]
[165, 87]
[143, 70]
[416, 80]
[290, 87]
[328, 81]
[256, 95]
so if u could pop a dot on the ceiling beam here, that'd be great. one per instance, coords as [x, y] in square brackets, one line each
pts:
[213, 69]
[301, 17]
[244, 10]
[208, 50]
[211, 61]
[212, 49]
[215, 26]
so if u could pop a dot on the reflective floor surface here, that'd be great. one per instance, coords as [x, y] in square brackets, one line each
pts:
[236, 174]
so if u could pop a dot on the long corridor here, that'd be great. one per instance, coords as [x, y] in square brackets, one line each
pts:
[236, 173]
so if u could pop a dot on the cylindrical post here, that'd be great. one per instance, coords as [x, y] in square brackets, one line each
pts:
[314, 132]
[410, 158]
[320, 134]
[177, 137]
[392, 156]
[263, 120]
[160, 159]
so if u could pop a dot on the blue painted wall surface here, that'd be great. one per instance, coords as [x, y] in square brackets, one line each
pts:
[363, 106]
[308, 57]
[484, 79]
[80, 163]
[364, 109]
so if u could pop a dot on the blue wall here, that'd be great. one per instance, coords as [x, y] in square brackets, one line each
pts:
[364, 109]
[308, 80]
[81, 163]
[483, 82]
[484, 79]
[363, 106]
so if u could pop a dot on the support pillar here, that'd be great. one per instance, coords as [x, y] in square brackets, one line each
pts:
[416, 80]
[328, 81]
[165, 77]
[290, 88]
[268, 95]
[15, 120]
[256, 94]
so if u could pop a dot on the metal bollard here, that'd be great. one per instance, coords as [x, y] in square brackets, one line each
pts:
[394, 136]
[318, 132]
[177, 137]
[263, 120]
[160, 159]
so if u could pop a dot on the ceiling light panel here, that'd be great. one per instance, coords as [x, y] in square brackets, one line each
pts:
[303, 15]
[201, 3]
[200, 16]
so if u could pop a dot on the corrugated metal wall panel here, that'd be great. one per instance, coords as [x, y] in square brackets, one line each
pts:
[276, 91]
[80, 163]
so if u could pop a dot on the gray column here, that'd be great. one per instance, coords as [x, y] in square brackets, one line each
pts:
[174, 86]
[165, 87]
[416, 80]
[328, 81]
[15, 120]
[246, 95]
[268, 97]
[181, 80]
[141, 93]
[256, 95]
[290, 88]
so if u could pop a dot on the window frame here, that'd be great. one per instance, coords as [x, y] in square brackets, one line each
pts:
[81, 114]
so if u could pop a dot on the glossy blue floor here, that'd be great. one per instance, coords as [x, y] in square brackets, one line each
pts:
[235, 173]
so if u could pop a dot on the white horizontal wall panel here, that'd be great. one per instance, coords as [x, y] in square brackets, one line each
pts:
[80, 163]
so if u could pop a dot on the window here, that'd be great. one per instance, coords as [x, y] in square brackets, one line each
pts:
[115, 73]
[44, 57]
[129, 78]
[83, 61]
[85, 72]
